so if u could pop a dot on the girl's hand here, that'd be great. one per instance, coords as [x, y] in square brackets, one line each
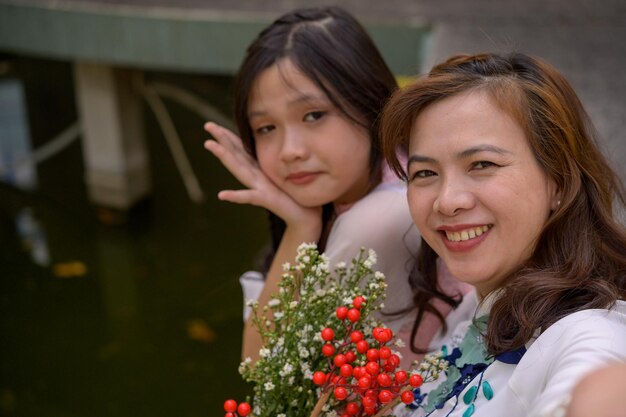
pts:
[261, 191]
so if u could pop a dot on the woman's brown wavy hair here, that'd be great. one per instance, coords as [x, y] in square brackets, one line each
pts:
[579, 261]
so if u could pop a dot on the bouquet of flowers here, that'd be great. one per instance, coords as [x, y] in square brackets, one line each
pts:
[322, 350]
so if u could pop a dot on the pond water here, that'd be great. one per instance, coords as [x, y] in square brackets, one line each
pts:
[120, 314]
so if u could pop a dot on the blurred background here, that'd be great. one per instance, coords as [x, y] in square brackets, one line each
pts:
[119, 268]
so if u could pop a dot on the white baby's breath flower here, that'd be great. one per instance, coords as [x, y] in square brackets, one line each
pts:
[278, 315]
[286, 266]
[251, 303]
[332, 413]
[320, 292]
[287, 370]
[264, 352]
[303, 353]
[268, 386]
[340, 265]
[280, 341]
[273, 302]
[399, 343]
[293, 304]
[281, 415]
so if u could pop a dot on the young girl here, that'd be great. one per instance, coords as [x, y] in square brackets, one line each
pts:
[507, 186]
[308, 96]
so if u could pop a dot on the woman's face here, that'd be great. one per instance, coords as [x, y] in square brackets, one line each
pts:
[476, 191]
[304, 144]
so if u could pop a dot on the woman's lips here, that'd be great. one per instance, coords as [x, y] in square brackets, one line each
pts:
[464, 238]
[302, 178]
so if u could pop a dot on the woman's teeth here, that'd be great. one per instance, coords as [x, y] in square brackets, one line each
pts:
[466, 234]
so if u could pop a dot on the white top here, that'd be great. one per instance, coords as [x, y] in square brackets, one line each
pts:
[380, 221]
[540, 384]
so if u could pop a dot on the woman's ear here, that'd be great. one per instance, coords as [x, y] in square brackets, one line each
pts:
[556, 199]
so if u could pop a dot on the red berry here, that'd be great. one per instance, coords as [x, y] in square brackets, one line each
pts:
[372, 394]
[372, 355]
[342, 313]
[319, 378]
[407, 397]
[369, 402]
[394, 360]
[354, 315]
[384, 380]
[339, 360]
[401, 377]
[345, 415]
[352, 408]
[364, 382]
[328, 334]
[328, 349]
[362, 346]
[372, 368]
[355, 336]
[341, 393]
[230, 415]
[346, 370]
[350, 356]
[230, 406]
[358, 372]
[416, 380]
[385, 352]
[244, 409]
[385, 396]
[370, 411]
[358, 302]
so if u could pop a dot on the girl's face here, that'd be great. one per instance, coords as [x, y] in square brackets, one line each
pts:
[476, 191]
[304, 144]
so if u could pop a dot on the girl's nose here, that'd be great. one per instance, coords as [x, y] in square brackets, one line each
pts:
[454, 197]
[294, 146]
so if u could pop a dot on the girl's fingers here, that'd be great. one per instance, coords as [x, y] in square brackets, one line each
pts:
[224, 136]
[252, 197]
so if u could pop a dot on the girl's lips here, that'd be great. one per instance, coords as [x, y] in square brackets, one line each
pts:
[302, 178]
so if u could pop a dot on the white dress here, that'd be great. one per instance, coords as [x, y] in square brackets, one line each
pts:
[540, 384]
[380, 221]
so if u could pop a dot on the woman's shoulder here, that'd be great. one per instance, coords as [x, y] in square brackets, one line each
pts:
[584, 323]
[567, 351]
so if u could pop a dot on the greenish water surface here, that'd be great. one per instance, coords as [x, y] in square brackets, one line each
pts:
[135, 314]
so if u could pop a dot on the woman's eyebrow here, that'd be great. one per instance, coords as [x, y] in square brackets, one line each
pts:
[481, 148]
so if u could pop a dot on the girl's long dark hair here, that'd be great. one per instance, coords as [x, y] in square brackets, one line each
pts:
[333, 50]
[579, 261]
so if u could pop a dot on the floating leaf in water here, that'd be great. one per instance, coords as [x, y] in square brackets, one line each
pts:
[197, 329]
[72, 269]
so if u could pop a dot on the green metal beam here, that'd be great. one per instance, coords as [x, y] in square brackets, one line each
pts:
[168, 39]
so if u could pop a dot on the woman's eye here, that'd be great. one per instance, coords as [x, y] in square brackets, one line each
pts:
[263, 130]
[313, 116]
[424, 173]
[483, 165]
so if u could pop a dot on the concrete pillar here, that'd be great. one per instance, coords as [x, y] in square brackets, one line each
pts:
[116, 160]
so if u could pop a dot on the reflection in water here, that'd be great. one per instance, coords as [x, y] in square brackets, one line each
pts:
[128, 314]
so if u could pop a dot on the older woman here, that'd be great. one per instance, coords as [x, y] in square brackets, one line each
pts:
[507, 186]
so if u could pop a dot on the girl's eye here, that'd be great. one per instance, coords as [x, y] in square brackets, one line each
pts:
[424, 173]
[313, 116]
[263, 130]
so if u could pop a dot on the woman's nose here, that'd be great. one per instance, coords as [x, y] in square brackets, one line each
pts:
[454, 197]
